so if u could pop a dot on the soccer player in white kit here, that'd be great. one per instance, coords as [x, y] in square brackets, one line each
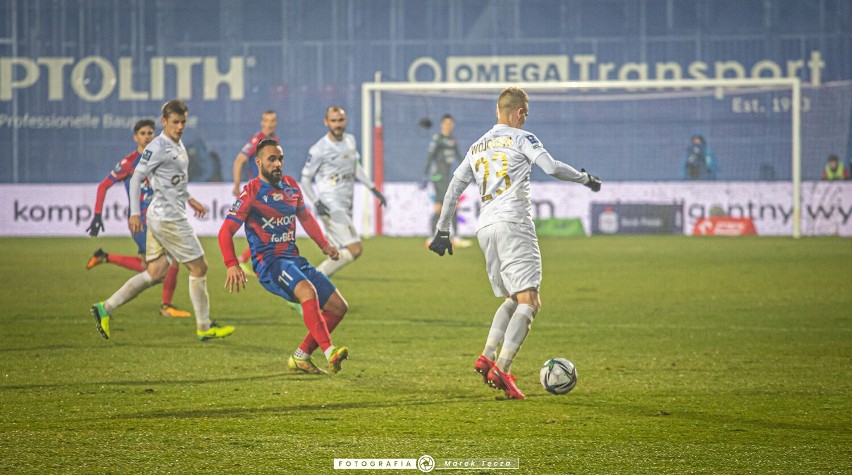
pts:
[501, 163]
[334, 164]
[165, 163]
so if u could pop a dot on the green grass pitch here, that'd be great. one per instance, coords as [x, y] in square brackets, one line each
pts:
[694, 355]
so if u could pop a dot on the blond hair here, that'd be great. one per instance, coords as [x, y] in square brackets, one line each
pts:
[512, 99]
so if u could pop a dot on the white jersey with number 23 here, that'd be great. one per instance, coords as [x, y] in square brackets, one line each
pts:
[501, 163]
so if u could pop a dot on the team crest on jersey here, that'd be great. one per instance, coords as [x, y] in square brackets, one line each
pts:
[534, 141]
[290, 193]
[147, 155]
[235, 207]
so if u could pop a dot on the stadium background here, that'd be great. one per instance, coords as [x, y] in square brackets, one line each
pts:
[695, 355]
[75, 75]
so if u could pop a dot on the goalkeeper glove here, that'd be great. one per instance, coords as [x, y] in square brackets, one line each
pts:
[322, 209]
[594, 182]
[96, 226]
[441, 243]
[379, 196]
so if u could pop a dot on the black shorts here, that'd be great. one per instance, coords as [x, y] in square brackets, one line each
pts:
[440, 190]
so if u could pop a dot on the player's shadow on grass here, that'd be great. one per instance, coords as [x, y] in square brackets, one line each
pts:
[26, 349]
[373, 278]
[161, 383]
[237, 412]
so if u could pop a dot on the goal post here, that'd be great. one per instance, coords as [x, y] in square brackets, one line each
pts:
[372, 122]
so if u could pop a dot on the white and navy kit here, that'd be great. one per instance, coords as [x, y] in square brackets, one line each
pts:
[165, 163]
[329, 176]
[333, 167]
[501, 163]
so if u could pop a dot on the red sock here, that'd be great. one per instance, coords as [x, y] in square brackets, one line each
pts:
[128, 262]
[245, 256]
[316, 323]
[309, 344]
[170, 283]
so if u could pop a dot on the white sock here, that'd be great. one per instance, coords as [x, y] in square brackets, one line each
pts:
[200, 302]
[133, 287]
[498, 328]
[328, 351]
[329, 266]
[516, 333]
[299, 354]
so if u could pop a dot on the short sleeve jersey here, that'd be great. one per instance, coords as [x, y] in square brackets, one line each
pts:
[123, 171]
[501, 163]
[332, 166]
[269, 214]
[165, 164]
[250, 150]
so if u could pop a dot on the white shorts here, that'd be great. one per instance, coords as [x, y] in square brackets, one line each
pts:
[339, 229]
[174, 238]
[512, 257]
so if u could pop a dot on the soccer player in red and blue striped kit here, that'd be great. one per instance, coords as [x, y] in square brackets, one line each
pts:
[269, 206]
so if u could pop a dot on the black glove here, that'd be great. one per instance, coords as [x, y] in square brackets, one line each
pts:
[594, 183]
[322, 209]
[379, 196]
[441, 243]
[96, 226]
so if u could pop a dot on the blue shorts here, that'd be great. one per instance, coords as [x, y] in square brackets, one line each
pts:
[280, 276]
[139, 239]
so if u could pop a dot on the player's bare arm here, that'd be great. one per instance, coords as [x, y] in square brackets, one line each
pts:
[331, 252]
[235, 279]
[198, 208]
[134, 223]
[237, 171]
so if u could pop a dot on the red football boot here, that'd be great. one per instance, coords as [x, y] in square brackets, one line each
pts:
[506, 382]
[482, 366]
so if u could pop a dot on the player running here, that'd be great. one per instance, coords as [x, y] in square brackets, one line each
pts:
[333, 163]
[268, 124]
[143, 134]
[501, 163]
[269, 206]
[165, 164]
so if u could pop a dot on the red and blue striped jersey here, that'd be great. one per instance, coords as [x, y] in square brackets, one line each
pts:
[122, 173]
[269, 214]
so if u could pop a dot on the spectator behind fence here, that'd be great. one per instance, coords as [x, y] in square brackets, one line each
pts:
[700, 162]
[834, 169]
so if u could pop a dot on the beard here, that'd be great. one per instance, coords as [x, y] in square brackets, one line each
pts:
[272, 177]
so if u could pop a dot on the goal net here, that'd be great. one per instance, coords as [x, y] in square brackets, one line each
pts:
[637, 132]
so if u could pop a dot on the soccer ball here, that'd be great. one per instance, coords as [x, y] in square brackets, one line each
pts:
[558, 376]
